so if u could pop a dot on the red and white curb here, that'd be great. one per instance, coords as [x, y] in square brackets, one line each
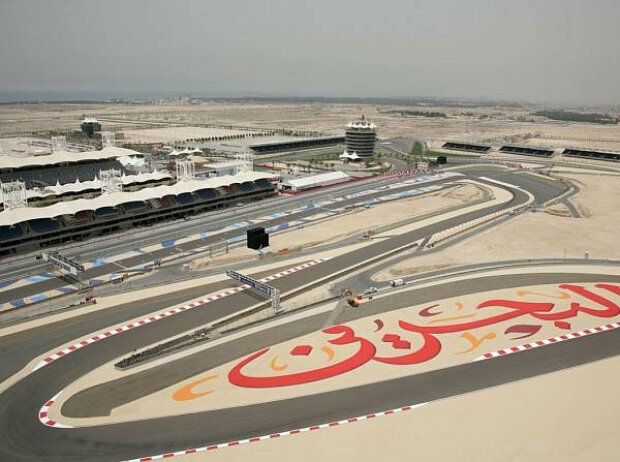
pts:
[398, 174]
[549, 341]
[45, 420]
[82, 343]
[44, 414]
[272, 436]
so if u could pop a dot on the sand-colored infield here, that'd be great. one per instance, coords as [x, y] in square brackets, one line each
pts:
[541, 234]
[567, 416]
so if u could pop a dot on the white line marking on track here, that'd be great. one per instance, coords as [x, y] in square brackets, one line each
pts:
[117, 330]
[549, 341]
[271, 436]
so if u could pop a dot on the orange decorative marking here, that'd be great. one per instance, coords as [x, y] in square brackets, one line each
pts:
[276, 367]
[562, 296]
[329, 352]
[452, 318]
[186, 393]
[476, 342]
[459, 306]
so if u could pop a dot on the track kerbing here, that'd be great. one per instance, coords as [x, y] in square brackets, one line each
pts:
[118, 330]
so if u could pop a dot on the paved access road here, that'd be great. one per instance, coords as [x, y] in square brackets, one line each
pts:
[24, 438]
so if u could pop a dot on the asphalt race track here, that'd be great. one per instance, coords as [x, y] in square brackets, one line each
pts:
[100, 400]
[38, 287]
[24, 438]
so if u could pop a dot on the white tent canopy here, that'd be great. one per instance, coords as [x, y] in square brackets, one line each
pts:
[129, 161]
[13, 216]
[353, 156]
[79, 186]
[61, 157]
[185, 152]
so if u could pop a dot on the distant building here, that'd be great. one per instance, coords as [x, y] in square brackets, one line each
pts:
[231, 167]
[360, 138]
[314, 181]
[89, 126]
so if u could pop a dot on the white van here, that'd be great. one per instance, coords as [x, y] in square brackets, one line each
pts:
[397, 282]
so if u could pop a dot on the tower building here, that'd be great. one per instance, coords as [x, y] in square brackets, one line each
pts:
[360, 138]
[89, 126]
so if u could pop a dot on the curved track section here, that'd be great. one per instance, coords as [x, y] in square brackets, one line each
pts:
[25, 438]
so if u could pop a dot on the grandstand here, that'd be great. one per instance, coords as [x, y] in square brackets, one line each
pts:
[61, 167]
[295, 145]
[600, 155]
[466, 147]
[42, 196]
[30, 228]
[526, 151]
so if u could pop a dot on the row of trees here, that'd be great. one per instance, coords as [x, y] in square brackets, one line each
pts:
[442, 115]
[569, 116]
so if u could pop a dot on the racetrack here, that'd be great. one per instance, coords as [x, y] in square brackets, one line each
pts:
[161, 253]
[25, 438]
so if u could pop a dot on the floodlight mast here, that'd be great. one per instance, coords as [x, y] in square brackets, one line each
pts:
[14, 195]
[186, 170]
[108, 139]
[111, 181]
[59, 143]
[247, 161]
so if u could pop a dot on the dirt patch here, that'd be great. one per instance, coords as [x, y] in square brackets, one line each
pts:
[400, 271]
[558, 210]
[465, 193]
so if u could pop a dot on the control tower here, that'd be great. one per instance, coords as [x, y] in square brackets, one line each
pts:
[89, 126]
[360, 138]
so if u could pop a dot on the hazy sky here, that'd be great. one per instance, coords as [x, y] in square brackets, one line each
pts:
[538, 50]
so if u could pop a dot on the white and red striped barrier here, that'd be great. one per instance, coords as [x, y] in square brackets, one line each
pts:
[45, 420]
[256, 439]
[549, 341]
[272, 436]
[44, 414]
[118, 330]
[398, 174]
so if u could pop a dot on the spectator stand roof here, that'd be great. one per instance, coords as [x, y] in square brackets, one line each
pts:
[64, 157]
[591, 154]
[79, 186]
[185, 151]
[536, 150]
[14, 216]
[466, 146]
[295, 140]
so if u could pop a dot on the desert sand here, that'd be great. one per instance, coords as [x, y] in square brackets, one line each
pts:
[556, 234]
[568, 416]
[503, 125]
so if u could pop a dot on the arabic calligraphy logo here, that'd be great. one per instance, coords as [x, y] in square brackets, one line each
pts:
[345, 351]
